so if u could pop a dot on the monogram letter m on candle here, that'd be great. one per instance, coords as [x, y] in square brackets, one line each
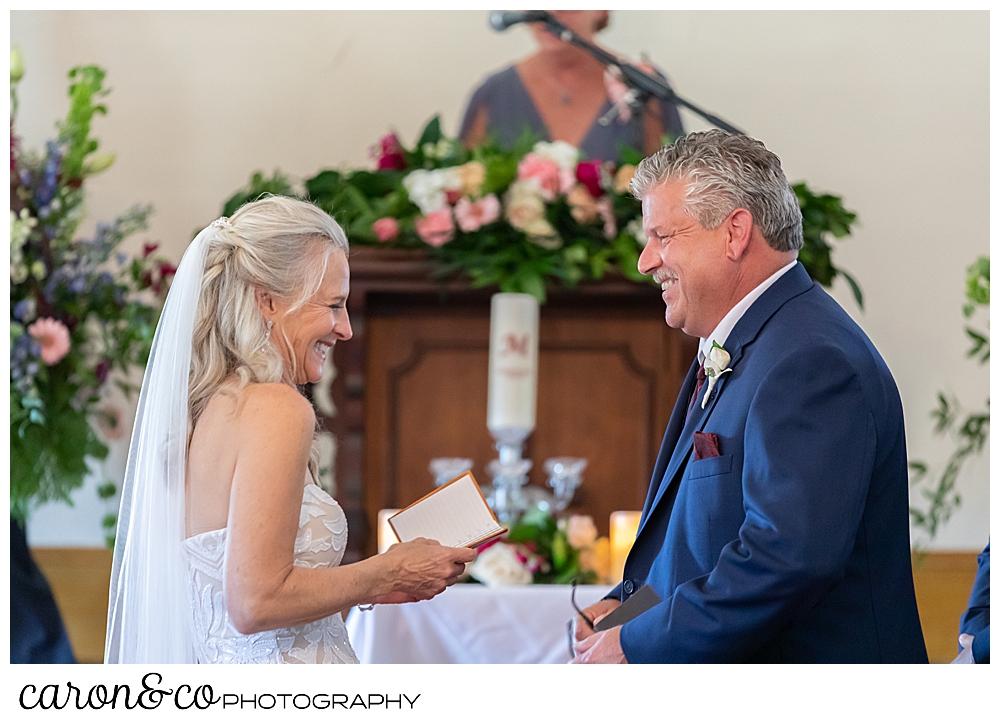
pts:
[513, 367]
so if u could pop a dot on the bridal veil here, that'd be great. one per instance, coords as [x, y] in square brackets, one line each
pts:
[149, 618]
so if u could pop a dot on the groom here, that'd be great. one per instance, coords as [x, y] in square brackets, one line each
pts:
[776, 524]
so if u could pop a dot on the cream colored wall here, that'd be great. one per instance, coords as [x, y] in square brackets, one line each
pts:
[889, 110]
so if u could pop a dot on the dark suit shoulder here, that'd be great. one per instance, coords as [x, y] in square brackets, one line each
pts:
[813, 326]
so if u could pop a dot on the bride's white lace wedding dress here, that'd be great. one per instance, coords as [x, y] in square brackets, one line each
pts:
[320, 543]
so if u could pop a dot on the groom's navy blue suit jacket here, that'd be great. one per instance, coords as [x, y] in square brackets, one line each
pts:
[793, 544]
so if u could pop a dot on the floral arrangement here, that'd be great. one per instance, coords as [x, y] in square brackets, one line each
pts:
[520, 218]
[77, 318]
[538, 549]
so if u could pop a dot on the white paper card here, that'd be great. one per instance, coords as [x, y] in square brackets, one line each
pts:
[454, 515]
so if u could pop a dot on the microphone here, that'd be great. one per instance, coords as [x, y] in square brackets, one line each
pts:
[500, 20]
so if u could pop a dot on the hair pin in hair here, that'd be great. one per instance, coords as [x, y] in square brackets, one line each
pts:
[221, 222]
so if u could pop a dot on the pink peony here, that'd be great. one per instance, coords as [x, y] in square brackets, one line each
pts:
[589, 174]
[544, 172]
[386, 228]
[53, 336]
[473, 215]
[437, 228]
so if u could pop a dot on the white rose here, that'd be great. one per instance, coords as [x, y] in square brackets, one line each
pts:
[523, 204]
[565, 155]
[427, 188]
[716, 362]
[451, 178]
[499, 565]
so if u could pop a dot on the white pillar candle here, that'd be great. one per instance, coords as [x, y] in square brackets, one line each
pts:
[624, 526]
[513, 364]
[386, 537]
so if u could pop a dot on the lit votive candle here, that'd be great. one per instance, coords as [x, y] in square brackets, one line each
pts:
[624, 526]
[386, 536]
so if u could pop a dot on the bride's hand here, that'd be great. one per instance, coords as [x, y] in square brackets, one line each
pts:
[420, 569]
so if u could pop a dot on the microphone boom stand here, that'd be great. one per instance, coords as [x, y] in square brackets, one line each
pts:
[645, 84]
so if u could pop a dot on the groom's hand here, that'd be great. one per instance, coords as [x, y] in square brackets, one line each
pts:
[601, 648]
[595, 612]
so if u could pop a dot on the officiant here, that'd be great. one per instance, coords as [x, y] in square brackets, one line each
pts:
[562, 93]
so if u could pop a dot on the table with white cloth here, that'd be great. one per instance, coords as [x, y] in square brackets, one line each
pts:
[472, 624]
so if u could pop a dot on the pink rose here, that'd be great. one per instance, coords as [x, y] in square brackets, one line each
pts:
[53, 336]
[473, 215]
[589, 174]
[437, 228]
[390, 156]
[544, 172]
[386, 228]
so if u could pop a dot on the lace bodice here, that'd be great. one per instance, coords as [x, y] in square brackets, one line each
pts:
[320, 543]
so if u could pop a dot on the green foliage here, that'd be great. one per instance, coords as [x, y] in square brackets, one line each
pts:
[583, 247]
[969, 431]
[824, 216]
[259, 185]
[74, 132]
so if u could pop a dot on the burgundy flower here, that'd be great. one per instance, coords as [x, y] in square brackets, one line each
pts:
[487, 545]
[589, 174]
[391, 154]
[148, 249]
[101, 371]
[166, 270]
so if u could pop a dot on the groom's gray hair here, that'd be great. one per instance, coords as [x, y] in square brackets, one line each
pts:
[723, 172]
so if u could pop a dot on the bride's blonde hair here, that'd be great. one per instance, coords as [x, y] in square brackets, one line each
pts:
[277, 245]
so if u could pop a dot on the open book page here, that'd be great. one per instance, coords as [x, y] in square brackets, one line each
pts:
[454, 515]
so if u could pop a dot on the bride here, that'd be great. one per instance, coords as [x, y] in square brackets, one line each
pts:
[227, 549]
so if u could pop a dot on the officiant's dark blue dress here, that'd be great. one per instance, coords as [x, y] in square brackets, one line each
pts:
[510, 110]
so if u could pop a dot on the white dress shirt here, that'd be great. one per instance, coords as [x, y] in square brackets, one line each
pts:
[733, 316]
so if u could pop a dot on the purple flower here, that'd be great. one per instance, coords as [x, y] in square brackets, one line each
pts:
[78, 284]
[23, 309]
[50, 183]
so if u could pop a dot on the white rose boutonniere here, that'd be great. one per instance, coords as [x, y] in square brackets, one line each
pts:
[716, 365]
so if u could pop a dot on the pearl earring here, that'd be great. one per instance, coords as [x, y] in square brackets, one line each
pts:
[267, 337]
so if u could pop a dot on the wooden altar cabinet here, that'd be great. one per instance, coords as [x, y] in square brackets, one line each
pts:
[412, 385]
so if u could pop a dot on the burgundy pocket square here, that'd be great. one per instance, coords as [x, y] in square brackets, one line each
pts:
[706, 445]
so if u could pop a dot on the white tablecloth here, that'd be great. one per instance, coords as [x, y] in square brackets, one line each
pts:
[472, 624]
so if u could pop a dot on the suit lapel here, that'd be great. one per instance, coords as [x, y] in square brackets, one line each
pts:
[679, 439]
